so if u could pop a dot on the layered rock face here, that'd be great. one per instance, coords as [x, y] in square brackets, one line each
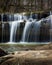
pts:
[43, 36]
[24, 5]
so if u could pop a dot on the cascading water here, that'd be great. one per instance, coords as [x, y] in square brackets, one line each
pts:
[25, 31]
[49, 18]
[37, 26]
[51, 27]
[25, 34]
[14, 25]
[17, 17]
[2, 26]
[30, 31]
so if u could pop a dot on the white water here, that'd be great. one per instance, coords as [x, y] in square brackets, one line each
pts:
[17, 17]
[26, 28]
[51, 29]
[2, 26]
[49, 19]
[37, 29]
[29, 25]
[13, 28]
[2, 21]
[26, 31]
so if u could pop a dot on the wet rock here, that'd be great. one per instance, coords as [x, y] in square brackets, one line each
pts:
[2, 52]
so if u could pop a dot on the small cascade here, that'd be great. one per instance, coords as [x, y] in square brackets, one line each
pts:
[2, 21]
[17, 17]
[13, 27]
[2, 26]
[51, 27]
[24, 17]
[25, 31]
[29, 30]
[37, 25]
[49, 19]
[11, 17]
[28, 27]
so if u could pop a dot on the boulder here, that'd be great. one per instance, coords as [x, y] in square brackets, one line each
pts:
[2, 52]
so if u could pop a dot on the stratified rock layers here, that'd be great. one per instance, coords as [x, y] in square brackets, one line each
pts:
[24, 5]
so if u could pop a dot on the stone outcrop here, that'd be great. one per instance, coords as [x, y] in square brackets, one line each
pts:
[41, 57]
[2, 52]
[24, 5]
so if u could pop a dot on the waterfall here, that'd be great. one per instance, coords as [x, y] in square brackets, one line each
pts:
[37, 25]
[31, 27]
[2, 21]
[13, 28]
[51, 27]
[17, 17]
[49, 18]
[26, 31]
[26, 28]
[10, 17]
[2, 26]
